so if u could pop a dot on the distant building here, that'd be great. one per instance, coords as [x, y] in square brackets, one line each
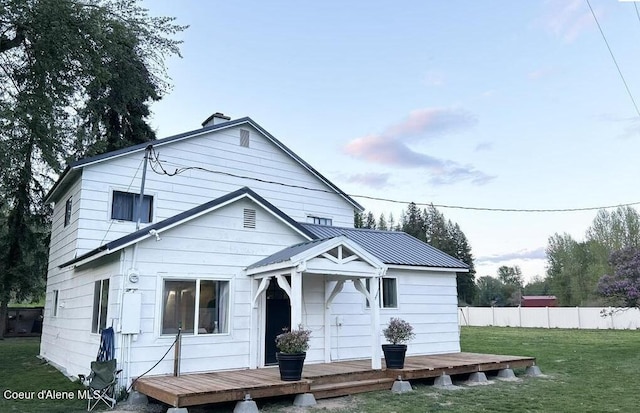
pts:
[539, 301]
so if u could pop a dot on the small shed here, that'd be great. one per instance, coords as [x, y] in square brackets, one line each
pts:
[539, 301]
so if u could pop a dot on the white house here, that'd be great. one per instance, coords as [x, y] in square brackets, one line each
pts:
[246, 240]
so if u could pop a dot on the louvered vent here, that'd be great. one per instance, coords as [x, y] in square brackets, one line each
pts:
[244, 138]
[249, 218]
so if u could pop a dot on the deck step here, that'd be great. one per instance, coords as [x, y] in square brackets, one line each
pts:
[323, 391]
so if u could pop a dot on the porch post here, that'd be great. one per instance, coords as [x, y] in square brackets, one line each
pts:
[296, 298]
[376, 363]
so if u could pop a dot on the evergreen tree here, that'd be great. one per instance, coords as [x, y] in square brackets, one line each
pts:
[358, 221]
[413, 222]
[370, 222]
[66, 63]
[382, 223]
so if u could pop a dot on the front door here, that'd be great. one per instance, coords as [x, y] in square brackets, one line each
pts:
[278, 317]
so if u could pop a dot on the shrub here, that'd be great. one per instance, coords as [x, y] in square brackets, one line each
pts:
[294, 341]
[398, 331]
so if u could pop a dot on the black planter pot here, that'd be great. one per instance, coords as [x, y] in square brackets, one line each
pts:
[290, 366]
[394, 355]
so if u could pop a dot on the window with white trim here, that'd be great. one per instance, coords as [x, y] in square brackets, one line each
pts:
[189, 303]
[319, 220]
[67, 211]
[388, 297]
[100, 305]
[124, 207]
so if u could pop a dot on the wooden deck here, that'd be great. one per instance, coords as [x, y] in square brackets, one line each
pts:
[323, 380]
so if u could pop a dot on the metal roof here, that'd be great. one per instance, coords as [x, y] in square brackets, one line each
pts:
[74, 168]
[286, 254]
[391, 247]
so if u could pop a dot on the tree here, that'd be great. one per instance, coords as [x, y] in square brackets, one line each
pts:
[75, 74]
[490, 292]
[512, 281]
[358, 220]
[413, 222]
[537, 286]
[370, 221]
[382, 223]
[622, 287]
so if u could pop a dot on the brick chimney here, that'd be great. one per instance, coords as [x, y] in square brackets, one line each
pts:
[215, 119]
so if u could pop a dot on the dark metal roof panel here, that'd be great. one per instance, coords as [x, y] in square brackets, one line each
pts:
[391, 247]
[286, 254]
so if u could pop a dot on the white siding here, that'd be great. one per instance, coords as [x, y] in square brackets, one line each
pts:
[213, 246]
[67, 340]
[217, 151]
[427, 300]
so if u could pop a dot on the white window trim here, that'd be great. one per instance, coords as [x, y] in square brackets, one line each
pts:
[162, 277]
[312, 218]
[101, 280]
[382, 307]
[154, 204]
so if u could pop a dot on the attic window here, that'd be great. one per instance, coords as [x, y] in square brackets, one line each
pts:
[244, 138]
[249, 218]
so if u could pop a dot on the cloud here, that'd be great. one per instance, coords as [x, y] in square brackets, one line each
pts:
[391, 146]
[631, 124]
[372, 179]
[540, 73]
[535, 254]
[569, 19]
[484, 146]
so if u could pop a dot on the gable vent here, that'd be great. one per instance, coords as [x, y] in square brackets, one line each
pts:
[249, 218]
[244, 138]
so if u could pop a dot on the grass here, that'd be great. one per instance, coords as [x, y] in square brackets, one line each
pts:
[587, 371]
[22, 371]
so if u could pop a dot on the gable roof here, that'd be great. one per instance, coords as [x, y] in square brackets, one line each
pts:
[391, 247]
[74, 168]
[130, 239]
[295, 254]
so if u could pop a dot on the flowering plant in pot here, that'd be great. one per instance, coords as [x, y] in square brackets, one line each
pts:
[292, 346]
[398, 332]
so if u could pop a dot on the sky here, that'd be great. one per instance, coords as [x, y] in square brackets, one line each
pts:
[481, 104]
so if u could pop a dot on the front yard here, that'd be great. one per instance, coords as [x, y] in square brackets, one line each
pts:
[586, 371]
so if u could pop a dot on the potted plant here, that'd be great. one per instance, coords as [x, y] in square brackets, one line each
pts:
[398, 332]
[293, 346]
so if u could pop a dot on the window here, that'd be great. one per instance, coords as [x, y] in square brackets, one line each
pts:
[55, 303]
[388, 292]
[320, 221]
[189, 303]
[100, 302]
[125, 207]
[67, 211]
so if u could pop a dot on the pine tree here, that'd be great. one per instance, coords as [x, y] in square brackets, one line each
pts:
[370, 222]
[382, 223]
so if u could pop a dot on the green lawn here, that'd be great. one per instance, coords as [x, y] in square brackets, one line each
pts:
[587, 371]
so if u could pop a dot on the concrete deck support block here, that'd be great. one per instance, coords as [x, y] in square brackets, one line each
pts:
[443, 381]
[477, 377]
[400, 386]
[533, 371]
[245, 406]
[506, 374]
[177, 410]
[137, 399]
[304, 400]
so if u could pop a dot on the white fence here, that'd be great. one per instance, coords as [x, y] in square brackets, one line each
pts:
[551, 317]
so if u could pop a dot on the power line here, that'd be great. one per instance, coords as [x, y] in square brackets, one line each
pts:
[613, 57]
[157, 163]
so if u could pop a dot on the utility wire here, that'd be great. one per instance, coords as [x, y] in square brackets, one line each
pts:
[613, 57]
[158, 168]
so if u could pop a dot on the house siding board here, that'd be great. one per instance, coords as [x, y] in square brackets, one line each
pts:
[391, 247]
[67, 339]
[173, 195]
[216, 246]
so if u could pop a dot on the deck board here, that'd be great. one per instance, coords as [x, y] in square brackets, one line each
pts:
[344, 376]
